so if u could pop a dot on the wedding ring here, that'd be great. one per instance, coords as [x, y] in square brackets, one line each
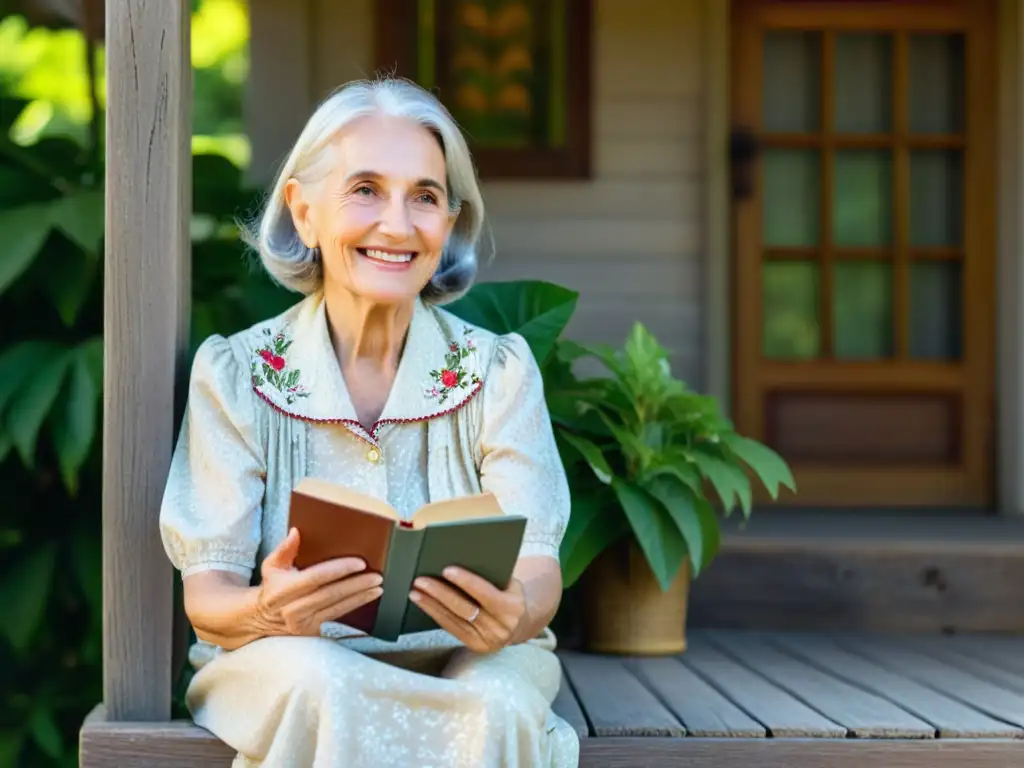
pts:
[476, 612]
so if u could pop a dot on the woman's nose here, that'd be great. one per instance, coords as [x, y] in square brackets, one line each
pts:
[395, 219]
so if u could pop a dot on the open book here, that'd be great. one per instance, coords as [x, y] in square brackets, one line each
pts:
[471, 532]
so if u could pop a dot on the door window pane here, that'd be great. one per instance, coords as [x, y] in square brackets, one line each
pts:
[791, 91]
[862, 198]
[792, 197]
[790, 302]
[936, 97]
[863, 83]
[863, 309]
[936, 197]
[936, 310]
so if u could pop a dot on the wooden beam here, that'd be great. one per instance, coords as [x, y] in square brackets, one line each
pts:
[147, 284]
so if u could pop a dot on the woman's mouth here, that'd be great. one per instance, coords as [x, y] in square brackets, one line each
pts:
[389, 257]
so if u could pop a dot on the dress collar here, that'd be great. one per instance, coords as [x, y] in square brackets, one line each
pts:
[295, 370]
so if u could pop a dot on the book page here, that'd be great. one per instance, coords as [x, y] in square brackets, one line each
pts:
[477, 507]
[346, 497]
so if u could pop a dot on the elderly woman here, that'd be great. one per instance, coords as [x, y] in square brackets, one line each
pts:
[376, 217]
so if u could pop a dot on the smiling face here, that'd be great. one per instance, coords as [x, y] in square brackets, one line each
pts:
[380, 216]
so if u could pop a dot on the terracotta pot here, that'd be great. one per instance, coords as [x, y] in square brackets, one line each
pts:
[624, 609]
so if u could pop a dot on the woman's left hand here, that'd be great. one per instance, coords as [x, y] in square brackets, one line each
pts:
[479, 614]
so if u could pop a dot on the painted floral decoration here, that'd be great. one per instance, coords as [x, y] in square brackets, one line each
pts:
[269, 366]
[453, 375]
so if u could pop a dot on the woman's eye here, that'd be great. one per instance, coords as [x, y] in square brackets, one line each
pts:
[364, 190]
[427, 197]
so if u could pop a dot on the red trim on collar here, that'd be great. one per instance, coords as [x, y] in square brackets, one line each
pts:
[371, 435]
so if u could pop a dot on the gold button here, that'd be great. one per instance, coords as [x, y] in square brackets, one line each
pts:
[373, 455]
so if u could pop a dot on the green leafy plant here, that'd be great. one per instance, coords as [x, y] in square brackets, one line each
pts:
[650, 448]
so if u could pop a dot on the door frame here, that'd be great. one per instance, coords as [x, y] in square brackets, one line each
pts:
[1008, 344]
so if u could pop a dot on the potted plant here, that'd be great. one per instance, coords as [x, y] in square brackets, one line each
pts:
[647, 457]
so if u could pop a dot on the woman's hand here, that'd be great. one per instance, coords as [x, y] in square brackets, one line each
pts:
[297, 602]
[479, 614]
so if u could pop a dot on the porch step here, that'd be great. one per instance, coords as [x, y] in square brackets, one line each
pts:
[897, 571]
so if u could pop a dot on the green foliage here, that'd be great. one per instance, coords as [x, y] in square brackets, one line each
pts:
[658, 445]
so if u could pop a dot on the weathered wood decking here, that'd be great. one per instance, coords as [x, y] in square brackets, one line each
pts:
[787, 700]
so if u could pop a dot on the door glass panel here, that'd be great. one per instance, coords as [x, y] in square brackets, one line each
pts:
[792, 197]
[936, 197]
[936, 310]
[790, 302]
[863, 309]
[863, 78]
[791, 91]
[862, 198]
[936, 99]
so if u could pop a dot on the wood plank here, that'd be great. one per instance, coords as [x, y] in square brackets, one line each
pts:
[703, 711]
[176, 744]
[567, 707]
[864, 714]
[951, 680]
[148, 204]
[980, 664]
[783, 715]
[615, 702]
[1003, 650]
[951, 718]
[799, 753]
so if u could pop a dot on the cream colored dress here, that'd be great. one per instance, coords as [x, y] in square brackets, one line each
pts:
[269, 406]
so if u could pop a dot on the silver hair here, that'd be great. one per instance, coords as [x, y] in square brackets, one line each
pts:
[297, 267]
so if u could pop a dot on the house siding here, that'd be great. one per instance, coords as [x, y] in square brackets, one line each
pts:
[630, 238]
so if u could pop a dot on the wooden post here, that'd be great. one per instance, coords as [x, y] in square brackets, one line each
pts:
[147, 288]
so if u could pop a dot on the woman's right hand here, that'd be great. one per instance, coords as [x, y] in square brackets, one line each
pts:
[296, 602]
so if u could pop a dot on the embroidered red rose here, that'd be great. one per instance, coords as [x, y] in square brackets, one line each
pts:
[276, 362]
[449, 378]
[454, 347]
[267, 355]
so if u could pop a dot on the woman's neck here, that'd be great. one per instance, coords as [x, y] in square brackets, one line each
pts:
[367, 332]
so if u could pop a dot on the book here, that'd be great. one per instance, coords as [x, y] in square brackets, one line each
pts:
[471, 532]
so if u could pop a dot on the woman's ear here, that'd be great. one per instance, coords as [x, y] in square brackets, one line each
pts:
[301, 211]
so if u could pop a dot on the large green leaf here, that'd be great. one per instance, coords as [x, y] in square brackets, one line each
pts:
[70, 276]
[730, 483]
[656, 533]
[45, 732]
[74, 419]
[31, 405]
[766, 463]
[22, 234]
[592, 454]
[80, 217]
[536, 310]
[18, 364]
[693, 516]
[593, 526]
[24, 589]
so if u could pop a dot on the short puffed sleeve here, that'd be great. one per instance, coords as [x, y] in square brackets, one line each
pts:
[210, 518]
[519, 459]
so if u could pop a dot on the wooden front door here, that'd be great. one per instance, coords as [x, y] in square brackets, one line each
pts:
[864, 245]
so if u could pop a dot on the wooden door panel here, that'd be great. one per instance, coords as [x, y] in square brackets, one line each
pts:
[864, 271]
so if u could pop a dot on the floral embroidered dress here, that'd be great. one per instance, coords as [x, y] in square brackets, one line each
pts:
[267, 407]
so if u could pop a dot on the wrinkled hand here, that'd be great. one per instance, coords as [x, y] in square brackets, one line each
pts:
[453, 607]
[297, 602]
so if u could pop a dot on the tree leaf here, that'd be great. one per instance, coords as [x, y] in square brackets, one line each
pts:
[70, 275]
[22, 234]
[19, 363]
[593, 526]
[592, 454]
[90, 352]
[730, 483]
[74, 420]
[656, 533]
[24, 589]
[769, 466]
[693, 516]
[45, 732]
[5, 445]
[31, 405]
[11, 742]
[536, 310]
[80, 217]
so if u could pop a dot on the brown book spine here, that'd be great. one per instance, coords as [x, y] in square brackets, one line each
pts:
[328, 531]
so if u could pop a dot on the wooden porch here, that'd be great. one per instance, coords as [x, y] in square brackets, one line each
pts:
[736, 698]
